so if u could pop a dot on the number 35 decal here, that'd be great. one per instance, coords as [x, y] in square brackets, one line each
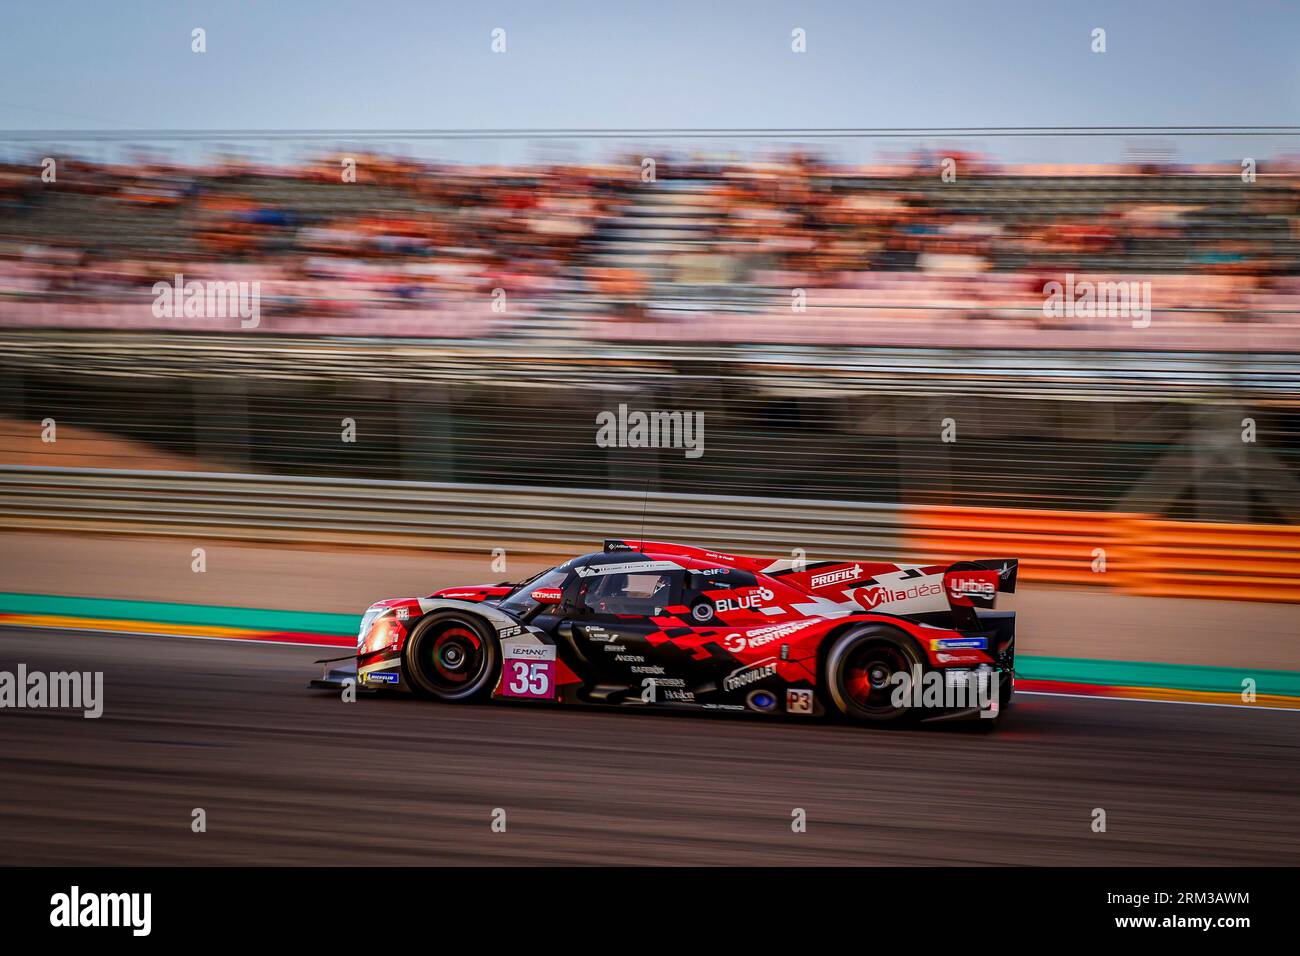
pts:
[528, 671]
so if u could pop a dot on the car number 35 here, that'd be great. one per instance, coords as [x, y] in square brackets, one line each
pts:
[529, 679]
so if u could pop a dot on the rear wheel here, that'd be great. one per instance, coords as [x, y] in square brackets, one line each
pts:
[451, 656]
[860, 669]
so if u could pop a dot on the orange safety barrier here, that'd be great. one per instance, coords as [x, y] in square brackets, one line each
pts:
[1142, 554]
[1201, 559]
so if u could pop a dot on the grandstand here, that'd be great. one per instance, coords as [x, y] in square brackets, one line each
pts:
[798, 251]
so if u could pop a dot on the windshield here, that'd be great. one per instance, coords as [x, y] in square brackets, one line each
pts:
[520, 599]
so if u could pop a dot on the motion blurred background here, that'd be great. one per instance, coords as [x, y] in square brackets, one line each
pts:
[829, 318]
[832, 232]
[743, 218]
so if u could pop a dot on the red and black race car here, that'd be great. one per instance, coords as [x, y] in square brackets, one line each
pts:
[649, 624]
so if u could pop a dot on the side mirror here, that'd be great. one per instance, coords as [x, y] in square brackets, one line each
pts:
[547, 595]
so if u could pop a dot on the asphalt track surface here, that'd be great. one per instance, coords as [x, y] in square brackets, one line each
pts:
[287, 775]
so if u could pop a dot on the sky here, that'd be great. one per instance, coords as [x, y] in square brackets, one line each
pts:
[289, 64]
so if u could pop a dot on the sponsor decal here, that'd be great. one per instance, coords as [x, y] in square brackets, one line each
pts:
[761, 636]
[752, 599]
[971, 586]
[879, 594]
[630, 658]
[380, 677]
[528, 671]
[798, 700]
[628, 567]
[547, 595]
[745, 676]
[403, 613]
[684, 695]
[461, 595]
[827, 578]
[535, 652]
[510, 631]
[648, 669]
[956, 643]
[969, 657]
[615, 648]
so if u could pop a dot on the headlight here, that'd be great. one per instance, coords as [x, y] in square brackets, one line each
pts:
[366, 620]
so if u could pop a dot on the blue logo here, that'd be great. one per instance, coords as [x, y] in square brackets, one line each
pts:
[379, 677]
[952, 643]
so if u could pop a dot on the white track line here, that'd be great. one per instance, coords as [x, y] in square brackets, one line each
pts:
[1152, 700]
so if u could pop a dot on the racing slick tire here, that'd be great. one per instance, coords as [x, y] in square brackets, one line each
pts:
[858, 672]
[451, 656]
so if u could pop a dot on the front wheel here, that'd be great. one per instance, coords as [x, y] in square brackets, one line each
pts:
[860, 669]
[451, 656]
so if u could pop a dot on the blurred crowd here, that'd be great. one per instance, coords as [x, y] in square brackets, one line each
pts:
[937, 249]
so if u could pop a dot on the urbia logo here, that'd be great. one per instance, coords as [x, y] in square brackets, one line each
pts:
[963, 586]
[966, 586]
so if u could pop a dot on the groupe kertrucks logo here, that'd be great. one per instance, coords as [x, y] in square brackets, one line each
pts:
[762, 636]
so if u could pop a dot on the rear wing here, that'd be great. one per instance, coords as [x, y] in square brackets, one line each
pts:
[969, 585]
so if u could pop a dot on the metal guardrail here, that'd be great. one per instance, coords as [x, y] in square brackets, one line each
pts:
[432, 515]
[1167, 558]
[774, 369]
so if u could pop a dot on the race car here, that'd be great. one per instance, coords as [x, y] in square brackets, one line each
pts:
[655, 625]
